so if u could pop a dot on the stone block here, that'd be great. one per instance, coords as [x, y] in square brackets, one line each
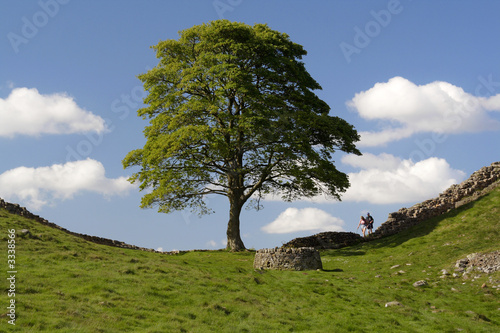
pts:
[299, 259]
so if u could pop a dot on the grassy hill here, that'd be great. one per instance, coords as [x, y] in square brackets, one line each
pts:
[66, 284]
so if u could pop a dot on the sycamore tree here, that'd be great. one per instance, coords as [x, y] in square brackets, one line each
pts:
[232, 112]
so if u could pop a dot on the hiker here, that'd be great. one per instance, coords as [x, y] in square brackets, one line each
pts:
[369, 222]
[363, 224]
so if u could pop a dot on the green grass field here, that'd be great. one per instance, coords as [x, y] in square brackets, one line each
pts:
[66, 284]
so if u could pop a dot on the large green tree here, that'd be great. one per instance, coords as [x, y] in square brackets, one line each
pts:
[232, 112]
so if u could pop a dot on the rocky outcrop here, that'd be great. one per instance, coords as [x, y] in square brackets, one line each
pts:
[479, 184]
[326, 240]
[482, 262]
[300, 259]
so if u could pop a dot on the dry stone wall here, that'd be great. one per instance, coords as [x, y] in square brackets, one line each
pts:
[479, 184]
[22, 211]
[300, 259]
[304, 249]
[326, 240]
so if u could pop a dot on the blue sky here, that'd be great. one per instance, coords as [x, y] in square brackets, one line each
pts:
[419, 80]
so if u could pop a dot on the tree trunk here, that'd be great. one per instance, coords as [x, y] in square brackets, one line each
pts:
[234, 242]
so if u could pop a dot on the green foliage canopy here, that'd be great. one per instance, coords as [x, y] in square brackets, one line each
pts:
[232, 112]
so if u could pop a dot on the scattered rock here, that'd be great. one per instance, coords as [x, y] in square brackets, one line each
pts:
[420, 283]
[393, 303]
[472, 256]
[461, 263]
[444, 274]
[478, 316]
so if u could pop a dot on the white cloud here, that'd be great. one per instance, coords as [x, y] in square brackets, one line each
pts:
[9, 85]
[386, 179]
[307, 219]
[45, 185]
[407, 108]
[370, 161]
[212, 243]
[27, 112]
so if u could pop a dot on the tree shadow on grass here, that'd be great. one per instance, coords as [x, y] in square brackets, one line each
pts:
[335, 270]
[344, 252]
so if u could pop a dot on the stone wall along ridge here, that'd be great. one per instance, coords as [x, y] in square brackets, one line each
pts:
[22, 211]
[326, 240]
[479, 184]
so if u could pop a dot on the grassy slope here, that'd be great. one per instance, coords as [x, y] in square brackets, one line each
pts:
[69, 285]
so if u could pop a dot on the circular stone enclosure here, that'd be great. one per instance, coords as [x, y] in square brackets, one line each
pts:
[295, 259]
